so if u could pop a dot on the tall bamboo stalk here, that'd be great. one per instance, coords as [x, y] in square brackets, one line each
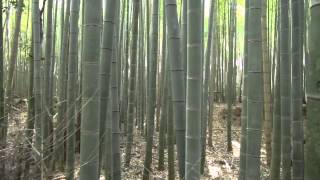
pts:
[71, 88]
[193, 90]
[89, 150]
[312, 161]
[255, 91]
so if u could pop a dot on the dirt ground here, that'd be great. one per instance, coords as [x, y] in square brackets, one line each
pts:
[220, 164]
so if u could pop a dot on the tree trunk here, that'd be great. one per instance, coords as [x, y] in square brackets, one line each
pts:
[255, 91]
[37, 85]
[205, 97]
[312, 165]
[89, 150]
[2, 103]
[105, 72]
[170, 135]
[59, 143]
[193, 91]
[72, 88]
[177, 86]
[266, 82]
[276, 133]
[243, 147]
[115, 115]
[132, 81]
[296, 90]
[165, 88]
[63, 78]
[13, 54]
[31, 115]
[285, 90]
[46, 96]
[152, 88]
[10, 83]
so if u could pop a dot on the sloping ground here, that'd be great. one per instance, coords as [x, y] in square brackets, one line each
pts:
[220, 164]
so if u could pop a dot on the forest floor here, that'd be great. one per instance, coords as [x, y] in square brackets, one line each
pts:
[220, 164]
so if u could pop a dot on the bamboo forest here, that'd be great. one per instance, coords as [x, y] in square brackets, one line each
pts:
[160, 90]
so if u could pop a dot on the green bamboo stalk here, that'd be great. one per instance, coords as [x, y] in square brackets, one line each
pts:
[152, 87]
[170, 132]
[37, 84]
[107, 52]
[213, 73]
[132, 81]
[124, 89]
[205, 97]
[164, 108]
[108, 167]
[59, 143]
[71, 88]
[267, 124]
[45, 123]
[243, 147]
[53, 57]
[63, 79]
[230, 72]
[193, 91]
[312, 162]
[255, 91]
[115, 114]
[2, 105]
[142, 73]
[13, 55]
[296, 90]
[105, 71]
[10, 81]
[31, 113]
[285, 79]
[89, 150]
[177, 85]
[184, 31]
[276, 133]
